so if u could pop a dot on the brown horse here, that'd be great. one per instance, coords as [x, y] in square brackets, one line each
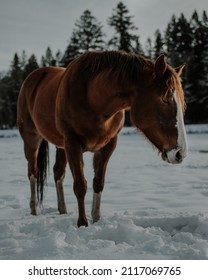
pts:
[81, 108]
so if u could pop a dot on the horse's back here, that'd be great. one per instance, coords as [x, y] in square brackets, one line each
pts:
[39, 81]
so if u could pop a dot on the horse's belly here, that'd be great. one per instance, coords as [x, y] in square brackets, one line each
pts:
[58, 142]
[99, 140]
[55, 139]
[50, 133]
[94, 146]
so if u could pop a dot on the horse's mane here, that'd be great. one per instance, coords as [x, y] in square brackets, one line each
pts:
[124, 67]
[121, 64]
[173, 81]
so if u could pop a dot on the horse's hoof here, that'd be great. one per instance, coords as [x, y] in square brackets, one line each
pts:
[62, 211]
[81, 223]
[35, 208]
[95, 219]
[35, 212]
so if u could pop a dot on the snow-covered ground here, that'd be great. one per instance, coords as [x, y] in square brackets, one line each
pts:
[150, 209]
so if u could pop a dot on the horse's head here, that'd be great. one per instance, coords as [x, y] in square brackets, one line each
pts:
[157, 110]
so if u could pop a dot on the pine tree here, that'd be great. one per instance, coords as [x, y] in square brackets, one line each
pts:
[23, 60]
[198, 70]
[30, 66]
[5, 106]
[125, 38]
[14, 80]
[48, 59]
[87, 35]
[58, 58]
[178, 40]
[16, 71]
[149, 48]
[10, 86]
[159, 44]
[72, 51]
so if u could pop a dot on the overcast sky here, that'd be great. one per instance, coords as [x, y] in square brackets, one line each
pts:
[32, 25]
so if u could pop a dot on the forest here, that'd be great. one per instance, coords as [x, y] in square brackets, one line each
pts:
[185, 40]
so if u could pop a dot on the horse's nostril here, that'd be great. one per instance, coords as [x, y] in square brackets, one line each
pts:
[178, 156]
[164, 155]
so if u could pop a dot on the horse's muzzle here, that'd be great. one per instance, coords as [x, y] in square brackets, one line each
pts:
[174, 156]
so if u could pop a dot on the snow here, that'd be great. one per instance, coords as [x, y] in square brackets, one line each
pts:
[150, 209]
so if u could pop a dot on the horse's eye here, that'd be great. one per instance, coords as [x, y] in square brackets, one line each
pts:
[166, 101]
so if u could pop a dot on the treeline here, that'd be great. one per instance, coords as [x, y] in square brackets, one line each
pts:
[183, 41]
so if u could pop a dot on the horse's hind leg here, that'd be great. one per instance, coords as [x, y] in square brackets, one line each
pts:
[31, 153]
[100, 162]
[59, 174]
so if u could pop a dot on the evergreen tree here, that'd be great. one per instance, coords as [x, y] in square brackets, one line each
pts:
[72, 51]
[16, 71]
[125, 38]
[178, 40]
[10, 86]
[48, 59]
[149, 48]
[23, 60]
[58, 58]
[87, 35]
[30, 66]
[14, 80]
[5, 106]
[169, 38]
[204, 19]
[159, 44]
[197, 87]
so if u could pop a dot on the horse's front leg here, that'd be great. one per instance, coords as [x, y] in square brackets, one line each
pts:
[59, 174]
[74, 154]
[100, 162]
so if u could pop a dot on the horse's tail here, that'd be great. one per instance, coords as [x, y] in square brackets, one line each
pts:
[42, 162]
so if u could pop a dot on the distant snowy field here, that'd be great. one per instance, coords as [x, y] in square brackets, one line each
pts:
[150, 209]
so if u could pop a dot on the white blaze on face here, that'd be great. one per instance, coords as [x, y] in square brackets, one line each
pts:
[181, 150]
[182, 139]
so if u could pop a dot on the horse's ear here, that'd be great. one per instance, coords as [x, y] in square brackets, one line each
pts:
[160, 66]
[179, 69]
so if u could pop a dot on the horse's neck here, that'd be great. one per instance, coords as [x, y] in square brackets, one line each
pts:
[107, 98]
